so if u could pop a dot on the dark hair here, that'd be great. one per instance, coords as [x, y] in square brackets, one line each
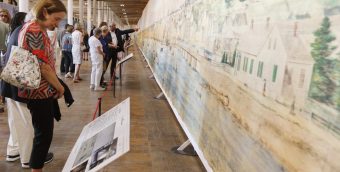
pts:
[69, 28]
[51, 6]
[102, 24]
[18, 19]
[66, 25]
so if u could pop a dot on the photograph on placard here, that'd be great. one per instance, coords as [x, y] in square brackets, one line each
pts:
[81, 167]
[103, 153]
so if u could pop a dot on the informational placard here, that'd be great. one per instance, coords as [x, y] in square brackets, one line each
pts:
[126, 58]
[101, 141]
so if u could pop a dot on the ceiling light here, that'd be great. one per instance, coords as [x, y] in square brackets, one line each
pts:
[123, 9]
[124, 13]
[122, 5]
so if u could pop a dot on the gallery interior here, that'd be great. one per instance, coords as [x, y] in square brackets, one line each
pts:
[198, 85]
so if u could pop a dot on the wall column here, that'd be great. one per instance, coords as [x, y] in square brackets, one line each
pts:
[70, 12]
[110, 16]
[104, 12]
[94, 12]
[23, 6]
[81, 12]
[89, 25]
[99, 12]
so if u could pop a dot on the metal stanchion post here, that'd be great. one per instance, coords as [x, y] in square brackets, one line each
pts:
[100, 107]
[114, 84]
[120, 73]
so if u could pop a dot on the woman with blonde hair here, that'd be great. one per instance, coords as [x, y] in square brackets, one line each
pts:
[47, 15]
[77, 42]
[5, 16]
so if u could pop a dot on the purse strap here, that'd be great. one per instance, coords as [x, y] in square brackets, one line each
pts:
[22, 34]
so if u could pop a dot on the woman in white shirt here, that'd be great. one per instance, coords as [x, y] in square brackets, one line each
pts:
[77, 42]
[97, 57]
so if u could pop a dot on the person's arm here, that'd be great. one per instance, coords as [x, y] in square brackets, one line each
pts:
[122, 32]
[81, 39]
[112, 46]
[37, 47]
[100, 51]
[51, 77]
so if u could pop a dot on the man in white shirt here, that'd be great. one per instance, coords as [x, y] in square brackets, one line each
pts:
[97, 57]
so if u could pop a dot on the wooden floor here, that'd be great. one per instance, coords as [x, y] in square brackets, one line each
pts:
[154, 128]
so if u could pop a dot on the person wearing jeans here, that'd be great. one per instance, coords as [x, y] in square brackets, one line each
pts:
[66, 44]
[97, 55]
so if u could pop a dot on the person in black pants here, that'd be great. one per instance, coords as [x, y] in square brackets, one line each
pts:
[59, 38]
[43, 122]
[66, 45]
[48, 14]
[86, 43]
[106, 41]
[19, 117]
[117, 40]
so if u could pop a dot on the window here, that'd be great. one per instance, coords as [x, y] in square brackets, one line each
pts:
[269, 42]
[245, 64]
[274, 73]
[239, 62]
[259, 69]
[251, 66]
[224, 58]
[302, 78]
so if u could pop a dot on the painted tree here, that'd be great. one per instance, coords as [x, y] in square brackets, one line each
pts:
[336, 77]
[323, 86]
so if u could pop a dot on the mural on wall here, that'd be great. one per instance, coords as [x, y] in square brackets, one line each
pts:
[256, 82]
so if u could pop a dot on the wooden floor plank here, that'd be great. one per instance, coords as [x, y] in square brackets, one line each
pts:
[154, 129]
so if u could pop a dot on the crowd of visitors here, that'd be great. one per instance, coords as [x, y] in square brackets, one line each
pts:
[31, 112]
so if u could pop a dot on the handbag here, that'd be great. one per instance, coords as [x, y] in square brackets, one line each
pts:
[83, 47]
[22, 69]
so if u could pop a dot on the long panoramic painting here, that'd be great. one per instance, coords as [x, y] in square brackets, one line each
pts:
[255, 82]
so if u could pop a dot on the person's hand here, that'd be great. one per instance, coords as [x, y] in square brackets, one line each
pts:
[112, 46]
[60, 93]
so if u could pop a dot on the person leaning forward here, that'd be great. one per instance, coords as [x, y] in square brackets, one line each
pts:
[48, 14]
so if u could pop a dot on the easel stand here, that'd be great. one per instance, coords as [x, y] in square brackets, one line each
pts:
[120, 63]
[99, 106]
[185, 149]
[151, 77]
[159, 96]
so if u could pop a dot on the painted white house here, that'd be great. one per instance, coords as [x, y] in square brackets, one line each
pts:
[275, 63]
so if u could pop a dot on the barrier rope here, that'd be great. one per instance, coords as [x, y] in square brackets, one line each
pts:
[102, 96]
